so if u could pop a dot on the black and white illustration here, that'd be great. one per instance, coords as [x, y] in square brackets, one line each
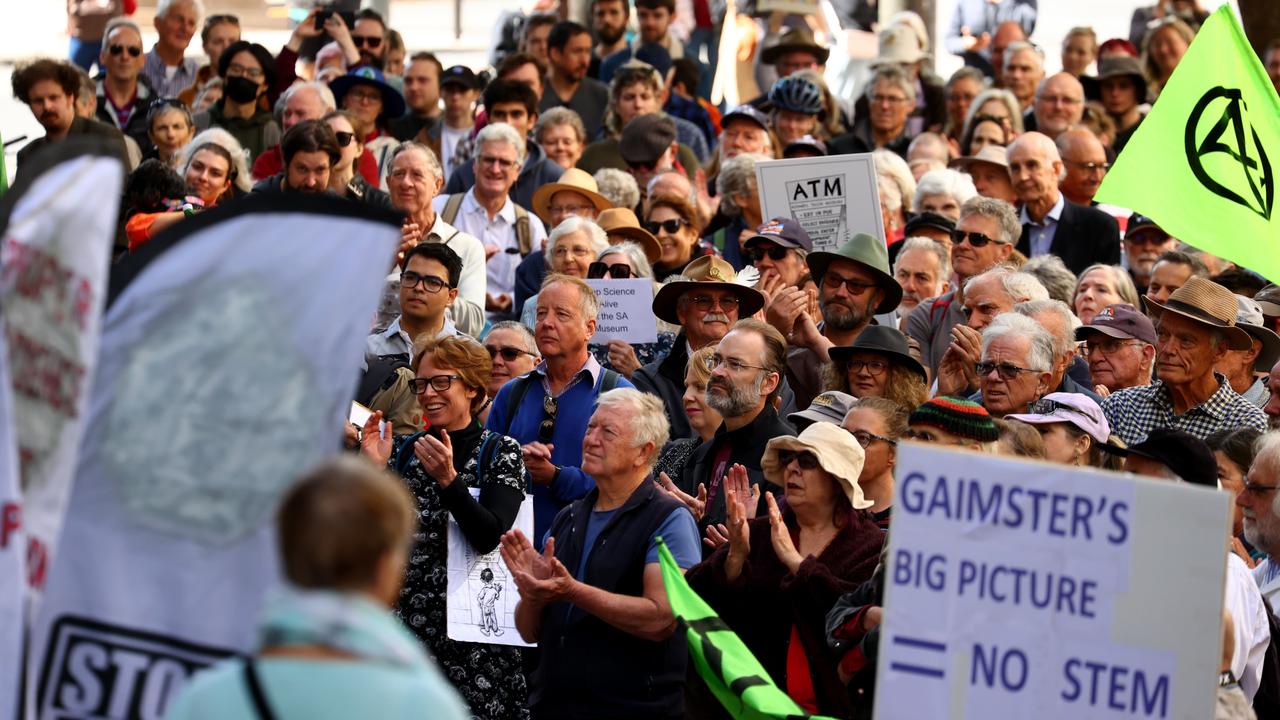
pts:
[482, 596]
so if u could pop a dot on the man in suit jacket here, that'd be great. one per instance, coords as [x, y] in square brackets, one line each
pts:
[1080, 235]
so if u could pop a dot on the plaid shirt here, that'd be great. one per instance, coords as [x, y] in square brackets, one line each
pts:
[1134, 412]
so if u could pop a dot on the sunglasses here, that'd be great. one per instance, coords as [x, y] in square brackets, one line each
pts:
[617, 271]
[344, 138]
[1006, 371]
[547, 427]
[439, 383]
[853, 286]
[672, 226]
[975, 239]
[509, 354]
[371, 41]
[775, 253]
[806, 459]
[117, 49]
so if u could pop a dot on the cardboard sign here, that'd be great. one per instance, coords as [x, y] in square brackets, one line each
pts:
[831, 197]
[626, 311]
[1020, 589]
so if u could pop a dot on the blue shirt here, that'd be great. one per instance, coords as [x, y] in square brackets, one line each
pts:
[1042, 233]
[679, 531]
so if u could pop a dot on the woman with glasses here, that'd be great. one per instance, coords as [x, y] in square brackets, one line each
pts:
[1073, 429]
[620, 262]
[815, 544]
[877, 424]
[571, 248]
[878, 364]
[343, 178]
[247, 71]
[364, 91]
[674, 222]
[457, 470]
[169, 127]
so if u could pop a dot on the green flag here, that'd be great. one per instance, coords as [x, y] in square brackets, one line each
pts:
[728, 667]
[1203, 162]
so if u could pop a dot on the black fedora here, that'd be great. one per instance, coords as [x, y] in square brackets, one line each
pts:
[884, 340]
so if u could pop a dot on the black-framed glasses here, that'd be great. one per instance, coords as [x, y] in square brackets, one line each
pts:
[715, 360]
[508, 353]
[976, 239]
[865, 438]
[617, 271]
[344, 138]
[371, 41]
[854, 286]
[1006, 371]
[875, 366]
[547, 428]
[409, 280]
[705, 303]
[775, 253]
[238, 70]
[805, 459]
[439, 383]
[117, 49]
[671, 226]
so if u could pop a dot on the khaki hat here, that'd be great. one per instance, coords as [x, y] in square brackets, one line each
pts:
[1205, 302]
[994, 154]
[792, 38]
[707, 271]
[869, 252]
[898, 45]
[838, 453]
[573, 180]
[623, 222]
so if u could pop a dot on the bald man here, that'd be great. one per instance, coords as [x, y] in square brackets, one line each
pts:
[1023, 71]
[1051, 224]
[1084, 163]
[1059, 105]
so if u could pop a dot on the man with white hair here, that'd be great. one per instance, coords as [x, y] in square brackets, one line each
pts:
[943, 192]
[986, 297]
[1259, 503]
[1057, 319]
[1023, 71]
[1059, 105]
[166, 67]
[923, 269]
[891, 96]
[1081, 236]
[486, 211]
[304, 101]
[1015, 370]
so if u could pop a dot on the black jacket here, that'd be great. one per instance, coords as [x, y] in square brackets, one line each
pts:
[860, 140]
[79, 126]
[665, 379]
[747, 449]
[1084, 236]
[136, 127]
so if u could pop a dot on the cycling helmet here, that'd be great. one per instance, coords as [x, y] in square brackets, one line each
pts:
[797, 95]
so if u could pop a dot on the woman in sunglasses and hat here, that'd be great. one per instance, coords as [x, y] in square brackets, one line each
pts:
[440, 467]
[878, 364]
[816, 543]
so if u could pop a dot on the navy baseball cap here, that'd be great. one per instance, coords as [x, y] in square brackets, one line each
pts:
[783, 232]
[1121, 321]
[460, 75]
[747, 112]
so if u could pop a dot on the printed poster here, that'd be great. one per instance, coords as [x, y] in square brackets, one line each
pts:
[482, 596]
[833, 198]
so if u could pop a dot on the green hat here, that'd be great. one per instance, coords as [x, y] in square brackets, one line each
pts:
[869, 252]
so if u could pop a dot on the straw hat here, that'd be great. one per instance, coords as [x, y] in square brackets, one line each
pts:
[793, 38]
[994, 154]
[838, 454]
[573, 180]
[1207, 303]
[707, 271]
[623, 222]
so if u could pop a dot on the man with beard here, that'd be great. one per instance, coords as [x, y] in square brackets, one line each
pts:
[49, 88]
[923, 269]
[854, 285]
[705, 301]
[1261, 515]
[1144, 243]
[609, 23]
[370, 37]
[746, 374]
[569, 53]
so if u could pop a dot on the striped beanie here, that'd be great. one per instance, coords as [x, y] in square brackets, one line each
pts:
[960, 417]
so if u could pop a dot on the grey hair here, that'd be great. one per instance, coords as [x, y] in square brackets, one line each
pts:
[217, 136]
[617, 186]
[648, 418]
[1004, 96]
[501, 133]
[122, 21]
[1018, 285]
[737, 176]
[1018, 46]
[1002, 212]
[588, 303]
[1120, 277]
[163, 7]
[946, 182]
[1063, 342]
[892, 74]
[894, 178]
[634, 253]
[575, 224]
[560, 116]
[969, 73]
[1054, 275]
[928, 245]
[1268, 445]
[433, 162]
[319, 88]
[526, 335]
[1039, 356]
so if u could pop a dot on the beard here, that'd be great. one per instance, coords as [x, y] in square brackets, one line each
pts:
[844, 317]
[736, 400]
[610, 35]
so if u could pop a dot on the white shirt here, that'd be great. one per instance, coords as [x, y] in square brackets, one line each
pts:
[448, 144]
[500, 233]
[1252, 634]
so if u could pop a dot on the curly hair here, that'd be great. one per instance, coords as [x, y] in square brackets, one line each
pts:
[466, 356]
[26, 76]
[903, 387]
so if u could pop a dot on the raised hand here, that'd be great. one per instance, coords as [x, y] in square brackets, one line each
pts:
[623, 358]
[785, 306]
[372, 444]
[541, 578]
[436, 457]
[783, 547]
[716, 536]
[736, 478]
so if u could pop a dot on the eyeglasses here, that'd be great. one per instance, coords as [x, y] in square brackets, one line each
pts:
[875, 367]
[705, 303]
[975, 239]
[364, 95]
[547, 428]
[887, 99]
[1006, 371]
[1090, 167]
[671, 227]
[117, 49]
[510, 354]
[372, 41]
[439, 383]
[617, 271]
[855, 287]
[1108, 347]
[503, 163]
[344, 138]
[433, 285]
[1256, 489]
[569, 209]
[715, 360]
[238, 70]
[756, 254]
[865, 438]
[805, 459]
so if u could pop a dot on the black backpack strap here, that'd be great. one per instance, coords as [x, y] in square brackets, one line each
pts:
[405, 456]
[518, 392]
[256, 695]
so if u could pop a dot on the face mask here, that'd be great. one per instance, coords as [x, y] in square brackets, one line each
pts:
[241, 89]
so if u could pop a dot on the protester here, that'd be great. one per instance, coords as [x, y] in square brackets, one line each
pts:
[829, 407]
[365, 92]
[796, 108]
[926, 153]
[571, 247]
[619, 262]
[1069, 371]
[514, 352]
[604, 627]
[166, 67]
[450, 139]
[1162, 49]
[563, 138]
[1079, 50]
[702, 419]
[877, 424]
[954, 422]
[1171, 270]
[922, 268]
[305, 101]
[1023, 71]
[343, 178]
[739, 206]
[248, 72]
[310, 151]
[1241, 367]
[86, 21]
[673, 221]
[569, 58]
[214, 166]
[896, 188]
[1058, 106]
[891, 96]
[1018, 439]
[1262, 517]
[124, 94]
[1057, 280]
[961, 89]
[1000, 104]
[609, 19]
[943, 192]
[1144, 243]
[428, 285]
[798, 559]
[1017, 364]
[49, 88]
[1120, 348]
[169, 128]
[878, 364]
[931, 226]
[1084, 161]
[989, 169]
[328, 644]
[1100, 286]
[778, 250]
[1072, 427]
[1235, 449]
[1122, 88]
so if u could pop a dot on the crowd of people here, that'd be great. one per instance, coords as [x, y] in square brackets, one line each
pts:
[1004, 311]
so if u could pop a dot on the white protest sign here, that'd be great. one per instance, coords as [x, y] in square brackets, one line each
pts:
[1020, 589]
[626, 311]
[831, 197]
[482, 596]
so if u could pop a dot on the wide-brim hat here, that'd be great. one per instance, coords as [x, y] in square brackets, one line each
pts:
[997, 155]
[884, 340]
[1207, 303]
[1117, 66]
[1250, 318]
[1268, 298]
[838, 453]
[707, 271]
[573, 180]
[899, 44]
[793, 38]
[623, 222]
[1183, 453]
[869, 252]
[392, 101]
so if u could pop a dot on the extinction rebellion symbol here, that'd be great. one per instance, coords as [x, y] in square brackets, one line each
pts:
[1230, 161]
